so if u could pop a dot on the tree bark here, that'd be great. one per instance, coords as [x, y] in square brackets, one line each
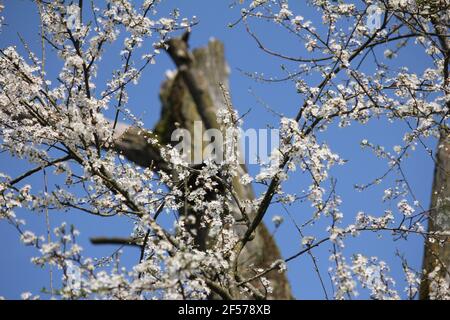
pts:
[192, 94]
[437, 251]
[436, 262]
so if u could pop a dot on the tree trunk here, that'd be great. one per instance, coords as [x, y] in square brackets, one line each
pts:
[437, 251]
[436, 263]
[191, 94]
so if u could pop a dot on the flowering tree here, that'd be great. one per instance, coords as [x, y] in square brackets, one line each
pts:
[218, 246]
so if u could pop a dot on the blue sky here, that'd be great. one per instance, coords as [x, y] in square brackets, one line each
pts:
[17, 274]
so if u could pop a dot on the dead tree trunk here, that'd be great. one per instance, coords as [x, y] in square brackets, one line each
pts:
[193, 94]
